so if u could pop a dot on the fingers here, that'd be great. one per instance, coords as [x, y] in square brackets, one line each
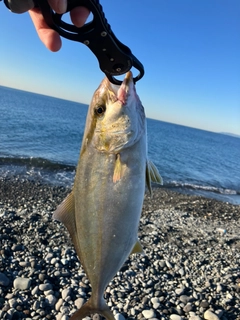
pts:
[49, 37]
[59, 6]
[79, 16]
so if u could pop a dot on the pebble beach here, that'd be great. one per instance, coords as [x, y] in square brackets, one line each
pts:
[190, 270]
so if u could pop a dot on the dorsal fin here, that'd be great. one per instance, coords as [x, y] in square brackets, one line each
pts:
[152, 175]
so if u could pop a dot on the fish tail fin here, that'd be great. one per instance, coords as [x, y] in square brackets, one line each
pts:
[88, 308]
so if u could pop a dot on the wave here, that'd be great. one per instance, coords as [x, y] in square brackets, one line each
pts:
[197, 187]
[38, 163]
[62, 174]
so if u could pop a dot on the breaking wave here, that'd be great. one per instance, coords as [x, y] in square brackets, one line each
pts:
[40, 163]
[175, 184]
[221, 194]
[37, 169]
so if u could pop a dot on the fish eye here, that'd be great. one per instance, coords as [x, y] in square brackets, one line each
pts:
[100, 110]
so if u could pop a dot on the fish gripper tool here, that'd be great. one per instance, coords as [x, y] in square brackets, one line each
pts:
[114, 57]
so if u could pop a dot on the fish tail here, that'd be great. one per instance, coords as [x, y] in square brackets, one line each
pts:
[88, 309]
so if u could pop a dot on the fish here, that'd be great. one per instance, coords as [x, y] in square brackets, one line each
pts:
[103, 210]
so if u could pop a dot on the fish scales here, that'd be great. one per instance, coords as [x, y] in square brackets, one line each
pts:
[102, 212]
[108, 227]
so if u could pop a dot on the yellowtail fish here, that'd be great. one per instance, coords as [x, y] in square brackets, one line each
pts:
[103, 210]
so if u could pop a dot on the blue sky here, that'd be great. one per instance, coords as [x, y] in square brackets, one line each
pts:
[190, 51]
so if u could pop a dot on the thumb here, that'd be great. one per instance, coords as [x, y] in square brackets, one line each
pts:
[19, 6]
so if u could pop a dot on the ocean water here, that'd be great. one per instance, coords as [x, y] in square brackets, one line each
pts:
[40, 138]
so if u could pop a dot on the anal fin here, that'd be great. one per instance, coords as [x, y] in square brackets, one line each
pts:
[138, 248]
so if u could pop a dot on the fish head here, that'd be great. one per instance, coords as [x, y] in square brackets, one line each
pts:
[116, 116]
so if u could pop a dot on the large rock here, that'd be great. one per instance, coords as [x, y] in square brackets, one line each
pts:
[22, 283]
[209, 315]
[4, 281]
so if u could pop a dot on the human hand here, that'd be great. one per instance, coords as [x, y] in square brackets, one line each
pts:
[48, 36]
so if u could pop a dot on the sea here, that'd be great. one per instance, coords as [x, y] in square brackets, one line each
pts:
[40, 139]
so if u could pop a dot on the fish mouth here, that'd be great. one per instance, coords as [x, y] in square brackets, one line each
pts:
[125, 89]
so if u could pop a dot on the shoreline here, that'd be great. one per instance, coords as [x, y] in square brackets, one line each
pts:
[12, 189]
[191, 267]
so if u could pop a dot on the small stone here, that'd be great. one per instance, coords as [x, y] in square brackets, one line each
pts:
[156, 306]
[194, 318]
[219, 313]
[10, 312]
[219, 288]
[4, 281]
[49, 256]
[51, 300]
[79, 302]
[54, 261]
[119, 316]
[168, 264]
[183, 298]
[33, 263]
[17, 247]
[59, 316]
[195, 295]
[229, 296]
[148, 314]
[41, 277]
[175, 317]
[204, 304]
[188, 307]
[181, 272]
[145, 300]
[45, 286]
[34, 291]
[48, 292]
[27, 312]
[36, 305]
[155, 300]
[66, 293]
[22, 283]
[58, 304]
[162, 263]
[64, 261]
[209, 315]
[179, 291]
[120, 306]
[12, 303]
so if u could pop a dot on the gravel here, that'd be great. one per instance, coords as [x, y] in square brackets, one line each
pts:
[190, 270]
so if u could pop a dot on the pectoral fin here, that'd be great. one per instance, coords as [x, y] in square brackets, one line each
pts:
[118, 169]
[138, 248]
[152, 175]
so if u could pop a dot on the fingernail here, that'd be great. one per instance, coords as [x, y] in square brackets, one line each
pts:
[62, 6]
